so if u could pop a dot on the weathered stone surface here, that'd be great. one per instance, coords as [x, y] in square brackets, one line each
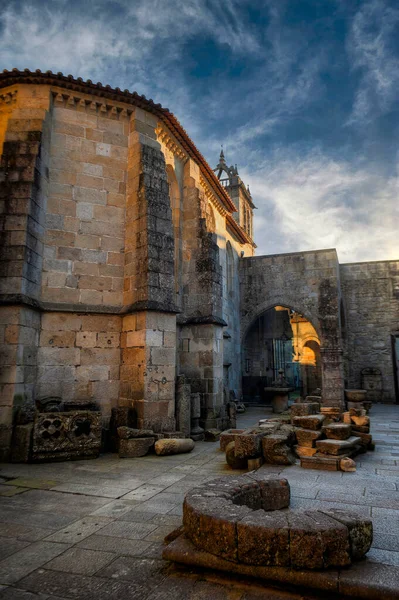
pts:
[360, 531]
[276, 449]
[321, 463]
[275, 494]
[334, 536]
[127, 433]
[249, 443]
[255, 463]
[21, 443]
[347, 464]
[337, 431]
[212, 435]
[309, 422]
[224, 517]
[357, 412]
[173, 446]
[232, 460]
[361, 421]
[263, 539]
[336, 447]
[210, 523]
[304, 451]
[183, 405]
[307, 437]
[357, 429]
[355, 395]
[135, 447]
[346, 418]
[66, 435]
[302, 409]
[228, 436]
[365, 438]
[175, 435]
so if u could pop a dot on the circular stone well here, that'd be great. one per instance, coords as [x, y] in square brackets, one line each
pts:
[248, 520]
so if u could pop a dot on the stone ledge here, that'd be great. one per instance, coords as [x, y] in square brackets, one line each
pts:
[22, 299]
[364, 580]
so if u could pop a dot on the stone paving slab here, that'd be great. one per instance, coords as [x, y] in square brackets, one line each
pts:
[73, 514]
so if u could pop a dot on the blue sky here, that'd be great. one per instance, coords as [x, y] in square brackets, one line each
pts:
[303, 94]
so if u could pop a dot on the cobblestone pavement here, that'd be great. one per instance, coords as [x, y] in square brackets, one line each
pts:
[94, 529]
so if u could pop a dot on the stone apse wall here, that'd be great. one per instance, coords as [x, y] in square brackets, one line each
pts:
[307, 282]
[371, 307]
[113, 255]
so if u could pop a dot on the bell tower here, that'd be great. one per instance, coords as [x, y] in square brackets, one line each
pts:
[240, 195]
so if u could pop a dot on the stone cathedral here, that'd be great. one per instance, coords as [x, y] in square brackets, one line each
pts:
[128, 267]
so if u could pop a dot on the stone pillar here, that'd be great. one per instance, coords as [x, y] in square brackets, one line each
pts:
[23, 196]
[332, 377]
[183, 405]
[149, 330]
[201, 324]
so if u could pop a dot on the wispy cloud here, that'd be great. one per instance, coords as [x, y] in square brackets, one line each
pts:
[373, 34]
[288, 86]
[316, 202]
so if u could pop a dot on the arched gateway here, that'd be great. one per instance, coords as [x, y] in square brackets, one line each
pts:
[305, 289]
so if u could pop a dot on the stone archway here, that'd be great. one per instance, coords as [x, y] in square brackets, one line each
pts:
[280, 339]
[308, 283]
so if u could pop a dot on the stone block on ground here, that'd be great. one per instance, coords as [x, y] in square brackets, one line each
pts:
[254, 463]
[309, 422]
[173, 446]
[135, 447]
[357, 412]
[304, 451]
[337, 431]
[336, 447]
[249, 443]
[321, 463]
[212, 435]
[307, 437]
[356, 429]
[173, 435]
[277, 449]
[232, 460]
[348, 465]
[228, 436]
[303, 409]
[365, 438]
[346, 418]
[361, 421]
[127, 433]
[66, 435]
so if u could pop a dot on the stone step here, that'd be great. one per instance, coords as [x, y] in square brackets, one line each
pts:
[324, 462]
[309, 422]
[337, 447]
[337, 431]
[307, 437]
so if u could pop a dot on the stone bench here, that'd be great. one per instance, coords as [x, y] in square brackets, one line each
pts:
[248, 521]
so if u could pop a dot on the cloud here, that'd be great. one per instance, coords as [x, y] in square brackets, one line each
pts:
[371, 50]
[318, 202]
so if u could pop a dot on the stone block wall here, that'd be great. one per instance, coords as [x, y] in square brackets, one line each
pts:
[79, 358]
[371, 309]
[85, 216]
